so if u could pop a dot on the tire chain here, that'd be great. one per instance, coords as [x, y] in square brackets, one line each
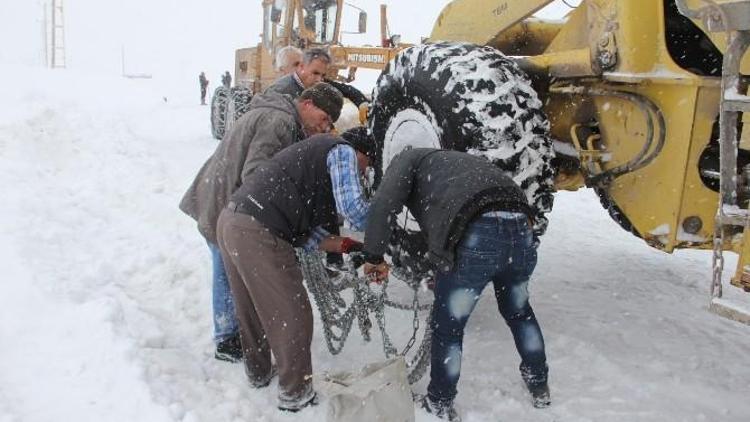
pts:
[366, 301]
[717, 258]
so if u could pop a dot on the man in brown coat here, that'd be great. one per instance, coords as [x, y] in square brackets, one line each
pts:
[274, 122]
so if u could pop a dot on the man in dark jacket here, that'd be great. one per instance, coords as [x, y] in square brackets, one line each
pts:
[203, 81]
[478, 230]
[315, 62]
[312, 70]
[273, 122]
[284, 204]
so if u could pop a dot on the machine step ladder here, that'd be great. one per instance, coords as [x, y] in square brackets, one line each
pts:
[57, 41]
[732, 17]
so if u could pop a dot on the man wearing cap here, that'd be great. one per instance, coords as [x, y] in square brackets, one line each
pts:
[273, 122]
[312, 66]
[284, 204]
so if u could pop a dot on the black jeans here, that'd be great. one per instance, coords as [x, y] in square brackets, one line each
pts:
[499, 250]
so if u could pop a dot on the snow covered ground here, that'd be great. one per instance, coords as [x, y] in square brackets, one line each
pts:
[104, 298]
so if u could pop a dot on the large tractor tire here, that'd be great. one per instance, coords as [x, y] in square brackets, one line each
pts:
[468, 98]
[238, 103]
[218, 112]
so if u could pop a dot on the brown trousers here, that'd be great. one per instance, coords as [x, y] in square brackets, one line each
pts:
[271, 303]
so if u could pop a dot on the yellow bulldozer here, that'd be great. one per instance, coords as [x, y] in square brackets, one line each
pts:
[303, 24]
[641, 100]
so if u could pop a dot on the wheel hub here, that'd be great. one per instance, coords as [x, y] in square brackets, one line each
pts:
[409, 129]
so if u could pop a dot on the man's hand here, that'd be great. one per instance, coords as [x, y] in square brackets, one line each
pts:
[377, 272]
[340, 244]
[349, 245]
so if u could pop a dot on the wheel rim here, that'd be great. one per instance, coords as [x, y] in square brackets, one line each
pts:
[409, 129]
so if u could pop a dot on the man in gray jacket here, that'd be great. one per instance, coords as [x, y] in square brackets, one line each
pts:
[477, 224]
[273, 123]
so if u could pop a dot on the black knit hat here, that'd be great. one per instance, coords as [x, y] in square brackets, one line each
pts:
[326, 98]
[361, 141]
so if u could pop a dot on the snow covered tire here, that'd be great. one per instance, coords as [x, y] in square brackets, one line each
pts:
[238, 103]
[468, 98]
[218, 111]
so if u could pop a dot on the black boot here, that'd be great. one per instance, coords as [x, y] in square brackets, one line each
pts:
[540, 395]
[229, 349]
[444, 411]
[294, 406]
[536, 383]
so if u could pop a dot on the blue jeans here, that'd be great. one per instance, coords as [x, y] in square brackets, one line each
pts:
[499, 250]
[225, 322]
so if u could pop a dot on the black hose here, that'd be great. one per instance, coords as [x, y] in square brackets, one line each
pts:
[643, 158]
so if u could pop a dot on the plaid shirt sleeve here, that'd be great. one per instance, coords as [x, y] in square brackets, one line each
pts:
[316, 236]
[347, 191]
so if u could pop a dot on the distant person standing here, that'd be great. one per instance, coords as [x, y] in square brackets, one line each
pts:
[226, 80]
[204, 86]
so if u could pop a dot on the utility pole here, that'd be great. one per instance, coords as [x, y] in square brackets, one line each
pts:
[45, 35]
[57, 48]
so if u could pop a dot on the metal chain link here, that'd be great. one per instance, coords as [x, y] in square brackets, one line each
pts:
[718, 257]
[415, 323]
[338, 319]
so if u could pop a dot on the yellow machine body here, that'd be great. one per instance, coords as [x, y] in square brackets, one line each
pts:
[612, 80]
[305, 24]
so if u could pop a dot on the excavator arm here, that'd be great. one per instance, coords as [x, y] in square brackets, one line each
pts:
[480, 21]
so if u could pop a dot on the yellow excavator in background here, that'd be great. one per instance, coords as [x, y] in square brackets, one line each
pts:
[646, 102]
[303, 24]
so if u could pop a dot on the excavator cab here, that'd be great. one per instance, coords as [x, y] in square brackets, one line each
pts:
[321, 20]
[303, 24]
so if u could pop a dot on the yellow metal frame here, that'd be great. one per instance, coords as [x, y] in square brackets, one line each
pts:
[616, 46]
[254, 66]
[479, 22]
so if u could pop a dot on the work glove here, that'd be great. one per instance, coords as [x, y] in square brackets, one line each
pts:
[349, 245]
[364, 110]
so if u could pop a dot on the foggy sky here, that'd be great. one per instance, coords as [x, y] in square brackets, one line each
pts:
[180, 37]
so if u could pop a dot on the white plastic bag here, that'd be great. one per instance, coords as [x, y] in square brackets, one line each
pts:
[379, 392]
